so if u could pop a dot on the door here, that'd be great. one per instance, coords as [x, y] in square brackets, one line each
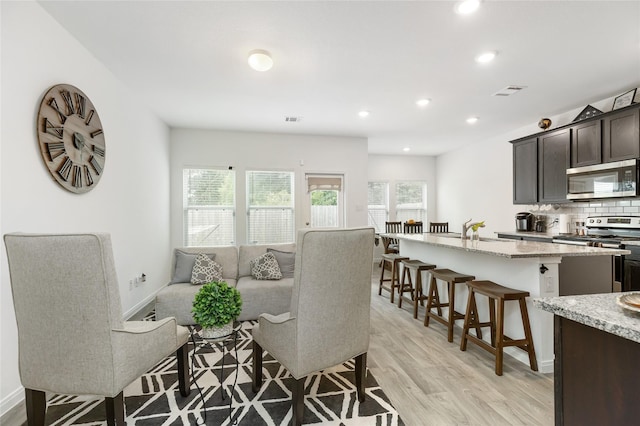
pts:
[553, 162]
[325, 201]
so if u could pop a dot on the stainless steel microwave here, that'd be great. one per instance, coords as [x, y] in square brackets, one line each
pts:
[609, 180]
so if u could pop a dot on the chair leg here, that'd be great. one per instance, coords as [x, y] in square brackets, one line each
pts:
[36, 404]
[383, 264]
[533, 363]
[115, 410]
[184, 381]
[297, 401]
[467, 319]
[499, 337]
[257, 367]
[361, 371]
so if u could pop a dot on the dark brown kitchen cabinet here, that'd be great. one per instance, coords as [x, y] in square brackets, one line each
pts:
[553, 162]
[596, 376]
[621, 139]
[586, 144]
[525, 171]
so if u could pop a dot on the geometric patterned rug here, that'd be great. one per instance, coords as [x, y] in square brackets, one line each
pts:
[154, 400]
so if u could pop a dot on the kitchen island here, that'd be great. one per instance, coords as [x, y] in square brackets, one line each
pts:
[596, 368]
[523, 265]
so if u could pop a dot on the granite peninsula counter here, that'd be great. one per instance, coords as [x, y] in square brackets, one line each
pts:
[524, 265]
[597, 346]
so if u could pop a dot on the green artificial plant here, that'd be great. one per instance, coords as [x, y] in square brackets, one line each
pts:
[216, 304]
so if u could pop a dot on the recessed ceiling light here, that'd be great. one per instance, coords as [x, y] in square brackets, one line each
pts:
[485, 57]
[260, 60]
[472, 120]
[467, 6]
[363, 114]
[406, 149]
[423, 102]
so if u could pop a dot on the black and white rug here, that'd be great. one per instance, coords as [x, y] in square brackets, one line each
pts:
[154, 400]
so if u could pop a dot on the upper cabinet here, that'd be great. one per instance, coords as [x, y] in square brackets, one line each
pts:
[540, 161]
[586, 144]
[620, 137]
[525, 171]
[553, 162]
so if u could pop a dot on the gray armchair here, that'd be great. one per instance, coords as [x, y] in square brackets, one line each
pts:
[328, 322]
[71, 335]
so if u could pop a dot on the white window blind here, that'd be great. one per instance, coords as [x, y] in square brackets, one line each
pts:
[270, 207]
[378, 204]
[209, 207]
[411, 201]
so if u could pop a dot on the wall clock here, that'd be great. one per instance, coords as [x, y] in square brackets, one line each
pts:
[71, 138]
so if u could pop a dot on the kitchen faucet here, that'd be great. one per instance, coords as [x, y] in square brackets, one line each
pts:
[465, 228]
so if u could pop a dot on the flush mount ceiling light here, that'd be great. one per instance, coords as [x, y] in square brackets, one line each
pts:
[472, 120]
[467, 7]
[363, 114]
[260, 60]
[486, 57]
[406, 149]
[423, 102]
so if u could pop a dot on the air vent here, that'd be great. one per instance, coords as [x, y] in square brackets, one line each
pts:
[509, 90]
[292, 119]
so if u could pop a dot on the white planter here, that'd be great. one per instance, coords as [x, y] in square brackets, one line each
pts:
[217, 332]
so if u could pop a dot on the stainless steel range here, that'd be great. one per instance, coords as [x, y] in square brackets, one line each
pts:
[613, 232]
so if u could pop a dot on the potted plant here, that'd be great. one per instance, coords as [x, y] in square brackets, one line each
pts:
[215, 307]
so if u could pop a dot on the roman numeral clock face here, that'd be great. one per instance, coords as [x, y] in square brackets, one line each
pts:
[71, 138]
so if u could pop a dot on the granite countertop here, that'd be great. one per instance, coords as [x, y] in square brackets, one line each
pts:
[595, 310]
[506, 247]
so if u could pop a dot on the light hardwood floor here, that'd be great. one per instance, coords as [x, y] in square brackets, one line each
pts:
[432, 382]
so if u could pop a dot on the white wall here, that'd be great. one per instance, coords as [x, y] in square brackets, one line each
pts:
[477, 181]
[404, 168]
[262, 151]
[131, 200]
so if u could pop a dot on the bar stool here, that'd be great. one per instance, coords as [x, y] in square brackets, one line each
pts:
[393, 260]
[451, 278]
[417, 296]
[497, 293]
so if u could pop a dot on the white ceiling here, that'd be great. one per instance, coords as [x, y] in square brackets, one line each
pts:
[188, 60]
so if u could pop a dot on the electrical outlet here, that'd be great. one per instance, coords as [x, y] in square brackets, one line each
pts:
[548, 284]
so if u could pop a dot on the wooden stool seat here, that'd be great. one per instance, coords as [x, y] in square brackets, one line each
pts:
[433, 301]
[407, 285]
[393, 260]
[497, 294]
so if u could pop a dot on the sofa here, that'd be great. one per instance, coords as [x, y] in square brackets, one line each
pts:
[258, 295]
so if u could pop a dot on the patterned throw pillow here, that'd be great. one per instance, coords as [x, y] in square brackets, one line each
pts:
[265, 267]
[205, 270]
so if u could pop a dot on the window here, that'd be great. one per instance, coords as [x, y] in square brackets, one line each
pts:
[270, 208]
[378, 205]
[411, 201]
[209, 207]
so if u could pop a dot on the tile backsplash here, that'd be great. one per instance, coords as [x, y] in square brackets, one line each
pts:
[579, 211]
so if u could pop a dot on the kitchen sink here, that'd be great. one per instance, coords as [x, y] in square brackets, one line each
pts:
[485, 239]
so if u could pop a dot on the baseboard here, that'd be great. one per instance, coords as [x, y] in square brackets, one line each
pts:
[11, 405]
[140, 306]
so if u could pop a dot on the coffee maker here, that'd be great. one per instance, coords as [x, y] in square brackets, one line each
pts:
[524, 221]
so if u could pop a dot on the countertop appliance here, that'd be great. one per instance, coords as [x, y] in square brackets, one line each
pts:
[613, 232]
[608, 180]
[524, 221]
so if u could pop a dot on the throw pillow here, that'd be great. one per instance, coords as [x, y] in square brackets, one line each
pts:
[184, 266]
[205, 270]
[286, 261]
[265, 267]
